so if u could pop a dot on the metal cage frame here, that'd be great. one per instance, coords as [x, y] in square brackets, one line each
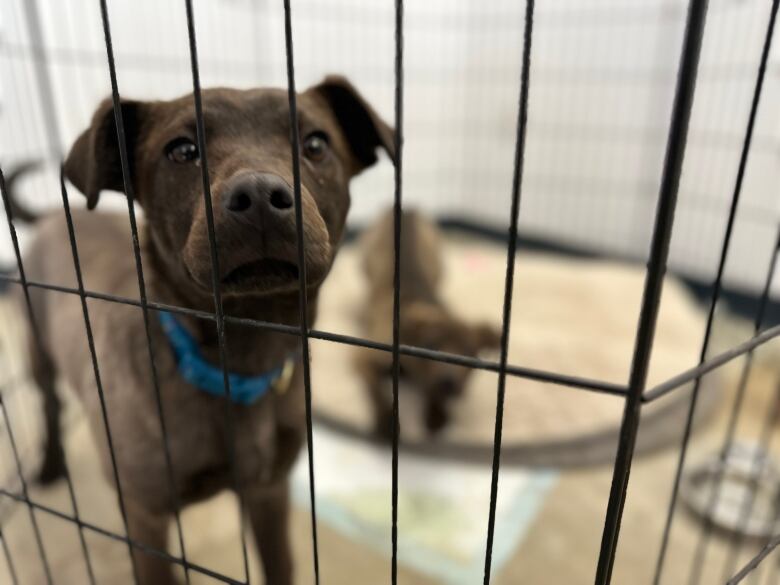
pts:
[634, 392]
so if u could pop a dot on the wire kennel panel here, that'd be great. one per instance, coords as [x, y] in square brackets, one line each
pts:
[633, 392]
[604, 78]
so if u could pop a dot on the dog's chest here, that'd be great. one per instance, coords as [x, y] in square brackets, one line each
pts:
[213, 444]
[203, 450]
[203, 437]
[237, 444]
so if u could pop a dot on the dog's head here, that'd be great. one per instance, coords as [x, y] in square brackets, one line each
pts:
[249, 157]
[432, 327]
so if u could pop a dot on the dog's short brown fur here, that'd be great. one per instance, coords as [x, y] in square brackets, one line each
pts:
[425, 321]
[250, 168]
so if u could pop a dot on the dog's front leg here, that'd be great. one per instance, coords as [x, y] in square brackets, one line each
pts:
[149, 530]
[382, 405]
[269, 511]
[374, 370]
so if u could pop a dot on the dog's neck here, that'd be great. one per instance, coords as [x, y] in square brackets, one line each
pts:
[250, 349]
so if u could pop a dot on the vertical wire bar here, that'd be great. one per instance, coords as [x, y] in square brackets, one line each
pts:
[93, 355]
[38, 340]
[736, 410]
[51, 126]
[717, 288]
[302, 299]
[130, 197]
[6, 418]
[651, 298]
[8, 559]
[517, 183]
[218, 309]
[398, 138]
[757, 468]
[23, 483]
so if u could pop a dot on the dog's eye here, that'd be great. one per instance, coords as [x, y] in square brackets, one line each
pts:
[182, 150]
[315, 146]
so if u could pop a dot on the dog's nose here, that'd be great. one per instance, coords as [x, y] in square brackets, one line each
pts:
[258, 192]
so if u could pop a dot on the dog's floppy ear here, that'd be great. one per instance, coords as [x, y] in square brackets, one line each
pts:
[93, 163]
[363, 128]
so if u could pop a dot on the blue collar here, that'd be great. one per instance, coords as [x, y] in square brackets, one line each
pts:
[201, 374]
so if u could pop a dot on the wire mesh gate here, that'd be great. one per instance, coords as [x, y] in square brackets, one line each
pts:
[634, 393]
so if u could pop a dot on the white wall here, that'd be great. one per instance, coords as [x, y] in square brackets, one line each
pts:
[602, 80]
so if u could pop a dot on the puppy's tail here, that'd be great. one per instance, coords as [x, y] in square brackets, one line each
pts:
[19, 211]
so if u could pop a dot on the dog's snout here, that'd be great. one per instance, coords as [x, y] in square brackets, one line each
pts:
[258, 193]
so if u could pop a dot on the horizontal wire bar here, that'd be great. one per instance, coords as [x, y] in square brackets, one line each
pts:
[23, 483]
[717, 290]
[758, 466]
[589, 384]
[545, 376]
[129, 541]
[711, 364]
[755, 561]
[36, 337]
[707, 528]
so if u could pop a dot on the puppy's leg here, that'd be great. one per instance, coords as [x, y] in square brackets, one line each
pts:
[44, 374]
[373, 370]
[269, 512]
[436, 415]
[382, 403]
[149, 529]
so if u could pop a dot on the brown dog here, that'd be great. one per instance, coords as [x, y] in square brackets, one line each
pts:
[250, 166]
[425, 321]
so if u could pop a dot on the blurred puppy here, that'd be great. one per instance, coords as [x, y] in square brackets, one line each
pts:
[425, 322]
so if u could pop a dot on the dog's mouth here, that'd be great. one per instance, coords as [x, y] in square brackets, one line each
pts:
[267, 271]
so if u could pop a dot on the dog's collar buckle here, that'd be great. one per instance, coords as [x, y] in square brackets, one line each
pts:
[282, 383]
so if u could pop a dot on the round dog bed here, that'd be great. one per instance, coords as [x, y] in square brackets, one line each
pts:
[569, 316]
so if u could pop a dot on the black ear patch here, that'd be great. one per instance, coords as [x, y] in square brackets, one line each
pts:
[93, 163]
[364, 129]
